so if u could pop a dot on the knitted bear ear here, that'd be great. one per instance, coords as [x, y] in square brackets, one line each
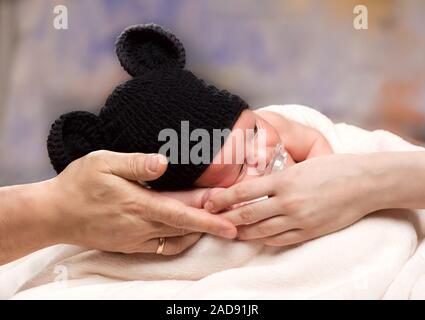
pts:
[72, 136]
[145, 47]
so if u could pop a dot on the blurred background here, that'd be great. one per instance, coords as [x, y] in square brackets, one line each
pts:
[269, 52]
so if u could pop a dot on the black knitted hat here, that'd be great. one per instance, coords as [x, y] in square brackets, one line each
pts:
[161, 95]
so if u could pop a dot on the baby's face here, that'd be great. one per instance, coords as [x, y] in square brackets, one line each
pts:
[259, 149]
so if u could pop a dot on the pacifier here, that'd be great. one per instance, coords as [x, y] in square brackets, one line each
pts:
[278, 161]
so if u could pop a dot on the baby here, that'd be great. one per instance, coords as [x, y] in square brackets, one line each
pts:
[143, 112]
[299, 141]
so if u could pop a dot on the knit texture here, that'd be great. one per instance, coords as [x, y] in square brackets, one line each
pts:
[160, 96]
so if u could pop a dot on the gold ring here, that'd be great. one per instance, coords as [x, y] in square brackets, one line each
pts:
[161, 245]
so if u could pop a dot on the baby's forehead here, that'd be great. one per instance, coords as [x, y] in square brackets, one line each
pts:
[245, 120]
[243, 128]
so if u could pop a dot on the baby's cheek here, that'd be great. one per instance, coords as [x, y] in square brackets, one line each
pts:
[218, 175]
[227, 179]
[273, 139]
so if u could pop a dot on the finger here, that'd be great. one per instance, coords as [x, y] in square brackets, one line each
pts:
[134, 166]
[173, 245]
[195, 198]
[162, 230]
[191, 198]
[176, 214]
[241, 192]
[286, 238]
[253, 212]
[177, 245]
[265, 228]
[210, 193]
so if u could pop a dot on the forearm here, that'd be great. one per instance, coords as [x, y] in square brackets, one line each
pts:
[27, 220]
[395, 179]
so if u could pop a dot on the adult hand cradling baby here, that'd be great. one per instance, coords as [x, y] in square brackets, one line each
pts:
[294, 211]
[322, 195]
[96, 202]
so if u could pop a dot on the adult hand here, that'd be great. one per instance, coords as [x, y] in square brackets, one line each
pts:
[101, 205]
[305, 201]
[195, 198]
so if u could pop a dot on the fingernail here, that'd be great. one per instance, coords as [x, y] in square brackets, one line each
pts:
[209, 206]
[153, 163]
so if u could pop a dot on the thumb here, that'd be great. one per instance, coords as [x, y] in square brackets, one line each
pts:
[135, 166]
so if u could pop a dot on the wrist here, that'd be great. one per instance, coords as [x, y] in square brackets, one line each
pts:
[387, 174]
[44, 205]
[403, 184]
[375, 180]
[27, 220]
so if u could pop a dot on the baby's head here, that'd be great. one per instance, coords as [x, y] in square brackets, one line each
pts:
[244, 155]
[163, 109]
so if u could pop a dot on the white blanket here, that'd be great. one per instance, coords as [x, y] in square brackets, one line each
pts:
[381, 256]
